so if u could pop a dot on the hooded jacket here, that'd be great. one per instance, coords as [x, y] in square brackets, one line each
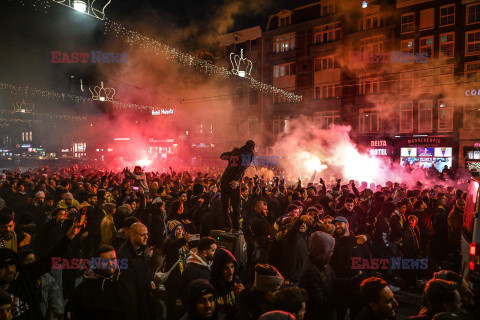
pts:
[99, 297]
[196, 290]
[226, 298]
[317, 277]
[196, 269]
[236, 168]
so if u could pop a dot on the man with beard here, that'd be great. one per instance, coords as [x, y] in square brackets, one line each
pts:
[139, 271]
[103, 293]
[226, 282]
[346, 250]
[201, 301]
[8, 238]
[238, 161]
[379, 300]
[349, 213]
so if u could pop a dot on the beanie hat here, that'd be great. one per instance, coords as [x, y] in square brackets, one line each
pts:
[196, 290]
[68, 196]
[5, 298]
[8, 257]
[172, 227]
[264, 283]
[157, 199]
[320, 246]
[277, 315]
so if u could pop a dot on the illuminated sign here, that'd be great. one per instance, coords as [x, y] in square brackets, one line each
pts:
[26, 145]
[164, 140]
[162, 111]
[477, 145]
[110, 149]
[378, 143]
[378, 152]
[122, 139]
[65, 150]
[472, 92]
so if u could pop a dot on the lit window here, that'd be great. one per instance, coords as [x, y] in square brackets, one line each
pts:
[426, 45]
[447, 45]
[283, 70]
[284, 43]
[370, 121]
[407, 46]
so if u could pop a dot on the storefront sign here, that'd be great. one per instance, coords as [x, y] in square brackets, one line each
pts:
[378, 152]
[378, 143]
[163, 140]
[477, 145]
[472, 92]
[162, 112]
[423, 142]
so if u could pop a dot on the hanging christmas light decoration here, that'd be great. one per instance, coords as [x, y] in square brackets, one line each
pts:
[49, 115]
[23, 107]
[101, 93]
[241, 66]
[148, 45]
[67, 97]
[86, 6]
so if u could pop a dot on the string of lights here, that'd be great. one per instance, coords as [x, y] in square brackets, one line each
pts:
[147, 44]
[66, 97]
[48, 115]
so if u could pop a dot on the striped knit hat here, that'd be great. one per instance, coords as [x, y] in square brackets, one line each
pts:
[172, 227]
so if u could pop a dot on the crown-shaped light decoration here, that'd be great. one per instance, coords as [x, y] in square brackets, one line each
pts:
[241, 66]
[101, 93]
[87, 7]
[23, 107]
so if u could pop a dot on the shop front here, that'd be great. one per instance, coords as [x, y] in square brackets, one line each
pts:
[427, 151]
[472, 157]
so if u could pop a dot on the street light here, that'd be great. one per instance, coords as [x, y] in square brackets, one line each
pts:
[79, 5]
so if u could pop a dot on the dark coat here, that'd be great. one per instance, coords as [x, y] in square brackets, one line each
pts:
[193, 271]
[101, 298]
[295, 251]
[139, 273]
[235, 170]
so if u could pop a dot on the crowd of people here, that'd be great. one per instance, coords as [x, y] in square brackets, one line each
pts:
[80, 243]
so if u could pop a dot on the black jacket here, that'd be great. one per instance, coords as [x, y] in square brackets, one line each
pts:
[101, 298]
[138, 272]
[235, 168]
[194, 270]
[24, 287]
[295, 251]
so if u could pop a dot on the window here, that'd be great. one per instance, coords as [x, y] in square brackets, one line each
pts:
[406, 116]
[27, 136]
[424, 79]
[370, 85]
[406, 82]
[323, 120]
[472, 70]
[328, 8]
[284, 21]
[328, 33]
[326, 63]
[284, 43]
[425, 115]
[253, 45]
[447, 15]
[447, 45]
[427, 19]
[426, 45]
[326, 91]
[284, 70]
[79, 149]
[370, 121]
[370, 46]
[407, 46]
[445, 115]
[472, 118]
[252, 126]
[371, 22]
[472, 43]
[473, 13]
[280, 125]
[408, 22]
[240, 97]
